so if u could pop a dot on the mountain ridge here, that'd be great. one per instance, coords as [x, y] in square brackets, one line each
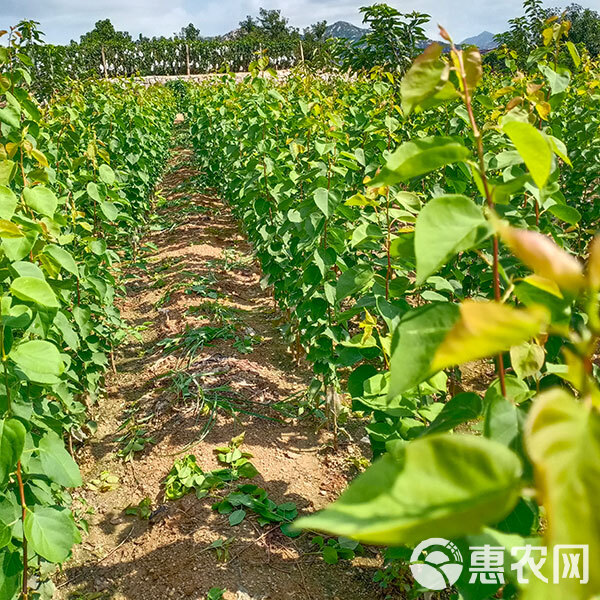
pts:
[343, 29]
[484, 41]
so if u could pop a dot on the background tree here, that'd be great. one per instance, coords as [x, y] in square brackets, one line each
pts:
[392, 41]
[525, 33]
[317, 32]
[269, 25]
[104, 32]
[189, 33]
[29, 32]
[585, 27]
[272, 24]
[248, 26]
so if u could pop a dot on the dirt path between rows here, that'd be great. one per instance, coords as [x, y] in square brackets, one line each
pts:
[195, 256]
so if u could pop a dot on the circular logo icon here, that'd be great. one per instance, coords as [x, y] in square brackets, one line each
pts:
[436, 563]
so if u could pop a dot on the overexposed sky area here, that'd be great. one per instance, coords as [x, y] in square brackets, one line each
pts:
[63, 20]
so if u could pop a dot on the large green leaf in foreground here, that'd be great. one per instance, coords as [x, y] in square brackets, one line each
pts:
[415, 342]
[419, 157]
[446, 226]
[438, 486]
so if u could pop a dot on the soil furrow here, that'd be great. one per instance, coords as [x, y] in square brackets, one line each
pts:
[197, 272]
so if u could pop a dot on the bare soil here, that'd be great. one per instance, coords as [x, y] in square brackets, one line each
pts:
[127, 558]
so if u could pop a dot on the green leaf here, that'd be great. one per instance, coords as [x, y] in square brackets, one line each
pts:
[51, 532]
[443, 485]
[109, 210]
[10, 116]
[62, 257]
[503, 421]
[62, 324]
[574, 54]
[354, 280]
[365, 231]
[419, 157]
[325, 201]
[12, 440]
[562, 437]
[426, 76]
[98, 247]
[93, 192]
[446, 226]
[330, 555]
[39, 360]
[32, 289]
[237, 516]
[8, 202]
[460, 409]
[565, 213]
[415, 341]
[17, 249]
[57, 463]
[559, 80]
[533, 147]
[8, 169]
[215, 593]
[11, 568]
[16, 317]
[106, 174]
[41, 199]
[527, 359]
[25, 268]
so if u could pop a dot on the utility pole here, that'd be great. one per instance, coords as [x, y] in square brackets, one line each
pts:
[104, 62]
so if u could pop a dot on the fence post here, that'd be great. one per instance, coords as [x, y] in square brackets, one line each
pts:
[187, 58]
[104, 62]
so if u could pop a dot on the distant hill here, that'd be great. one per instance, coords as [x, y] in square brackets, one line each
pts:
[230, 35]
[343, 29]
[484, 41]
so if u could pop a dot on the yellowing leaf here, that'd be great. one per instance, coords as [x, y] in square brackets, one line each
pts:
[593, 266]
[473, 68]
[544, 257]
[533, 147]
[360, 200]
[543, 109]
[9, 229]
[562, 438]
[40, 157]
[369, 323]
[486, 329]
[526, 359]
[547, 285]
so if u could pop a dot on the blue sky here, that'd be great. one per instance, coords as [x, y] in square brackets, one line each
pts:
[63, 20]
